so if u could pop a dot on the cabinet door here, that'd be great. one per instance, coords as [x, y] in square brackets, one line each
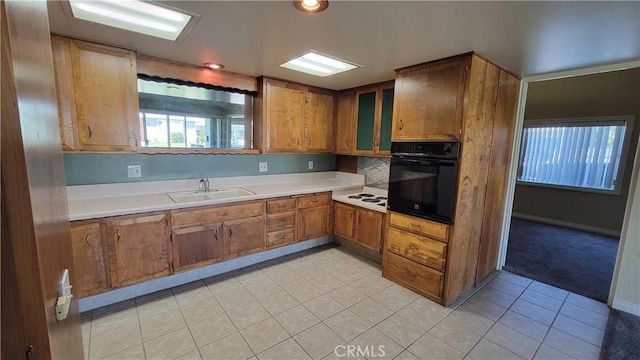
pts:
[386, 117]
[314, 222]
[90, 272]
[139, 248]
[365, 121]
[244, 236]
[284, 117]
[319, 122]
[65, 93]
[428, 101]
[369, 229]
[196, 246]
[344, 220]
[106, 96]
[344, 124]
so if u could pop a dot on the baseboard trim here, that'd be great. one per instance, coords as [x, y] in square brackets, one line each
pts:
[593, 229]
[626, 306]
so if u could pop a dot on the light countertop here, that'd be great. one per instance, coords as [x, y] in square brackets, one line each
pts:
[103, 200]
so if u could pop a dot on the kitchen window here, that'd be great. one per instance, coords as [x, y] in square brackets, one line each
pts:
[179, 117]
[582, 154]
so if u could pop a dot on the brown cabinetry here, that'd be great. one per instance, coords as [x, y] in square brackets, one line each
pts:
[428, 100]
[469, 99]
[415, 254]
[90, 272]
[196, 246]
[362, 226]
[139, 248]
[313, 216]
[293, 118]
[226, 231]
[281, 222]
[364, 120]
[97, 96]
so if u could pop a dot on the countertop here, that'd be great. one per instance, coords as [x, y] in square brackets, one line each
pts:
[103, 200]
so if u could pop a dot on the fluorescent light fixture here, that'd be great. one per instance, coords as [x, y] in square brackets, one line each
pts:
[318, 64]
[134, 15]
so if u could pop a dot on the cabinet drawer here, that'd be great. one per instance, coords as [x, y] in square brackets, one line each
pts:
[412, 275]
[417, 248]
[207, 215]
[314, 200]
[430, 228]
[281, 222]
[281, 238]
[281, 206]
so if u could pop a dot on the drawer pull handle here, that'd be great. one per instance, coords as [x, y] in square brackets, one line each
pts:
[401, 124]
[230, 232]
[118, 234]
[86, 240]
[414, 225]
[411, 274]
[90, 132]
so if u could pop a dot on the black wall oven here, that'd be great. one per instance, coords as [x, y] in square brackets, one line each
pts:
[422, 179]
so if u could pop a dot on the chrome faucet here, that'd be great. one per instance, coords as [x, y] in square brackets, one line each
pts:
[204, 185]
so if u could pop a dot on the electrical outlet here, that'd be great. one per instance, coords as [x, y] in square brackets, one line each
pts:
[310, 164]
[262, 166]
[134, 171]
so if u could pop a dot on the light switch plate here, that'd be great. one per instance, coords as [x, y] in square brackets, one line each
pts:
[262, 166]
[134, 171]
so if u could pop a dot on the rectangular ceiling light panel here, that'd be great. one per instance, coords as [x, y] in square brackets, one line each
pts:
[133, 15]
[318, 64]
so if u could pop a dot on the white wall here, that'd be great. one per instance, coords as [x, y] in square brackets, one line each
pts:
[625, 289]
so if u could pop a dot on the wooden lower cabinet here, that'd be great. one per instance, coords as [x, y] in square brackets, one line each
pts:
[417, 277]
[90, 274]
[313, 218]
[244, 237]
[281, 222]
[139, 248]
[362, 226]
[196, 246]
[415, 254]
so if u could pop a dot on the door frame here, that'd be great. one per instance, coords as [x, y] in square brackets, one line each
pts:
[515, 151]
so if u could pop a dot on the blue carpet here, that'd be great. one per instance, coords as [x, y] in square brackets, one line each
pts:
[574, 260]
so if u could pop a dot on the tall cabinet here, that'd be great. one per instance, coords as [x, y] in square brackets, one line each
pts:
[469, 99]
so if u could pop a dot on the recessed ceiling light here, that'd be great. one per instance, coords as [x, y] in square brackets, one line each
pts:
[214, 66]
[318, 64]
[311, 6]
[134, 15]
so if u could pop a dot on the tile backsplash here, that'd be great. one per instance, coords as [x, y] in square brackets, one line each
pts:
[376, 170]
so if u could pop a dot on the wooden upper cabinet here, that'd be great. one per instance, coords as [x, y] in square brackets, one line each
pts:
[90, 274]
[97, 96]
[293, 118]
[283, 116]
[139, 248]
[373, 119]
[428, 100]
[319, 113]
[344, 124]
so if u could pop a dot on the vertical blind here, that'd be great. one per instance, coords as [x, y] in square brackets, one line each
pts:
[576, 155]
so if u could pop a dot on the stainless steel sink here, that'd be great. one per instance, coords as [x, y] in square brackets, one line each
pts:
[222, 193]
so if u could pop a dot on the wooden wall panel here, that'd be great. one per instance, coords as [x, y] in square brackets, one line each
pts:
[475, 155]
[33, 182]
[502, 141]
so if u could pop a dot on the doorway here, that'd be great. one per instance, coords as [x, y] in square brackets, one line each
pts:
[565, 228]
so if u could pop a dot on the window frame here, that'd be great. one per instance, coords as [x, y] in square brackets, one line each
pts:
[627, 120]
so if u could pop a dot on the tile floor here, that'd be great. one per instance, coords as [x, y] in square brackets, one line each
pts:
[305, 305]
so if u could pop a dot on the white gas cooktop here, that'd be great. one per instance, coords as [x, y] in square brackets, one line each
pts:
[369, 198]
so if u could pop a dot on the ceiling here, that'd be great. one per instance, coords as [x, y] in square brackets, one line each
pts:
[254, 37]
